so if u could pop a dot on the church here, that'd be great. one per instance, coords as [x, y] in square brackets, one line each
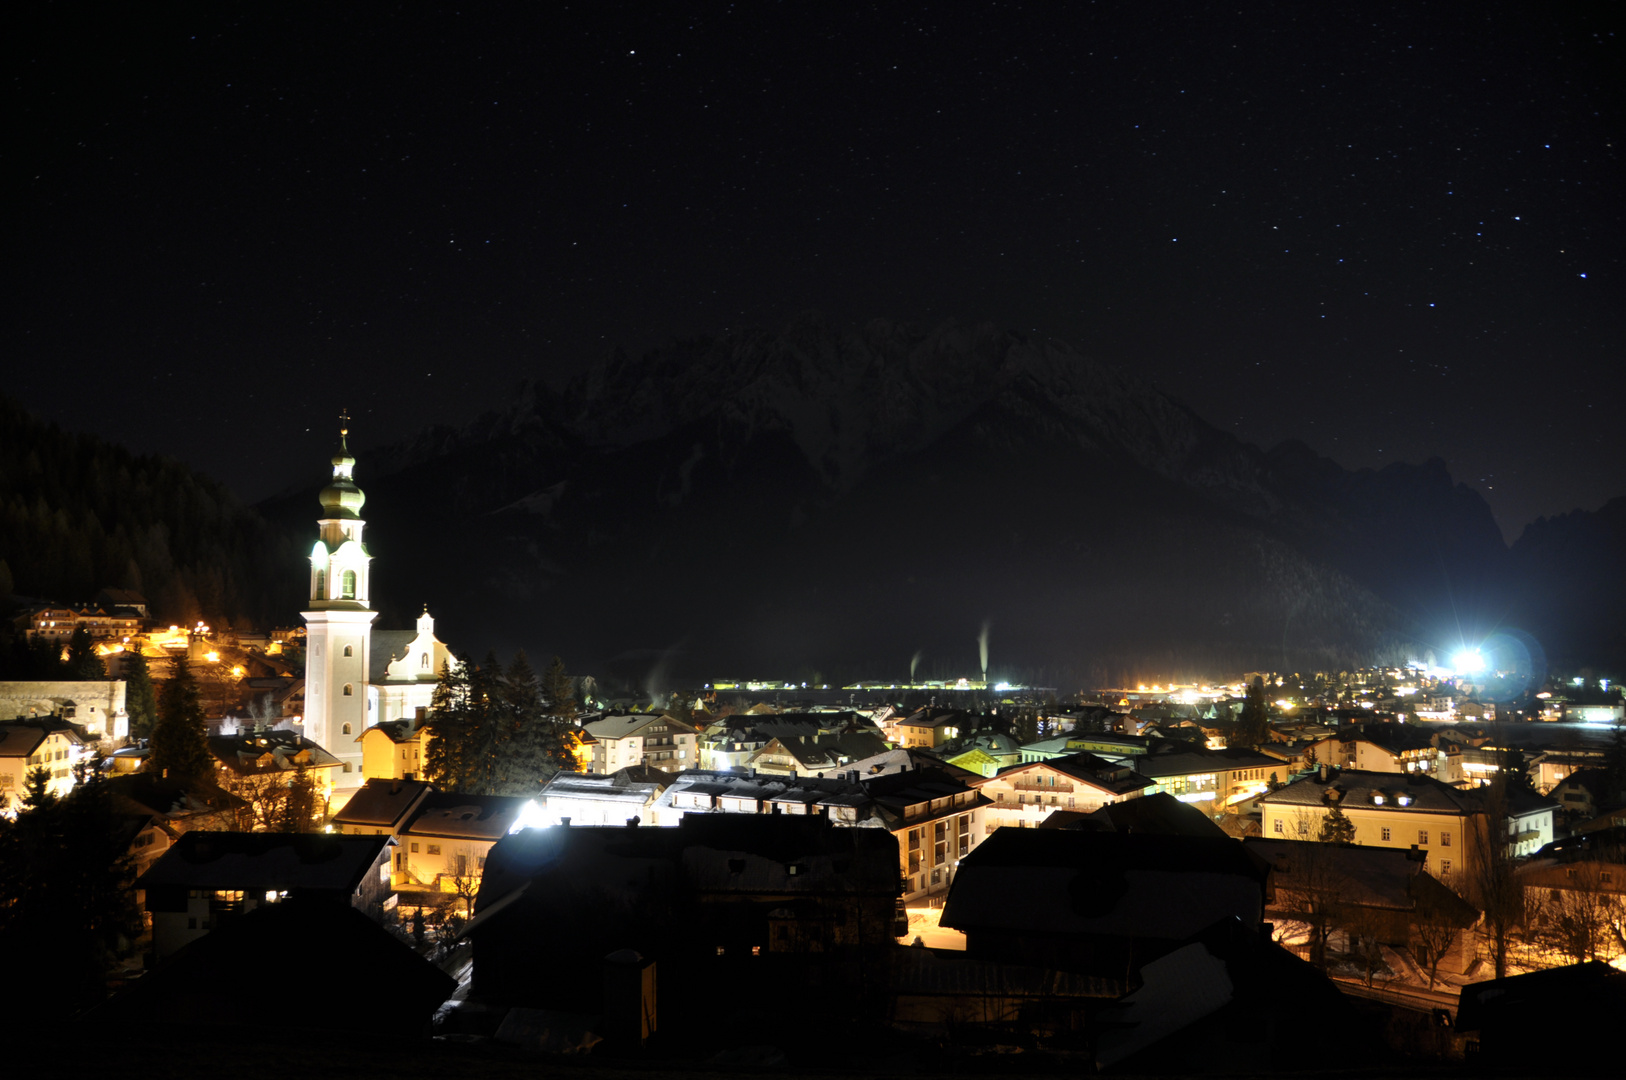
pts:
[356, 676]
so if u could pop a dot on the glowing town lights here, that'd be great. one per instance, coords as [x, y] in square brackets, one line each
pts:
[212, 657]
[1283, 703]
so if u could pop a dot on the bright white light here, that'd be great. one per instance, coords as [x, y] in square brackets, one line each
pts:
[531, 816]
[1468, 662]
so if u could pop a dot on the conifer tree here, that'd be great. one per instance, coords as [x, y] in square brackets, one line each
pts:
[560, 690]
[140, 700]
[64, 899]
[180, 750]
[533, 750]
[1253, 724]
[559, 694]
[1336, 828]
[446, 759]
[37, 788]
[83, 663]
[486, 730]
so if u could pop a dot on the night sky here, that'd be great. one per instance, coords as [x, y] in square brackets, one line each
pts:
[1391, 231]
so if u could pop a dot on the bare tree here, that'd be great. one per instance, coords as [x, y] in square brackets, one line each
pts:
[1309, 891]
[1438, 921]
[277, 800]
[1490, 878]
[463, 873]
[1366, 927]
[1578, 920]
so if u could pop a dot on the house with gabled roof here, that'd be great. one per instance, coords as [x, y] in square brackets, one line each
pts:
[449, 836]
[709, 900]
[1381, 747]
[588, 799]
[39, 743]
[207, 878]
[622, 739]
[394, 750]
[1100, 903]
[1022, 796]
[815, 755]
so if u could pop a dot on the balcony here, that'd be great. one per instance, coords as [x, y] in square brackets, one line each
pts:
[1024, 786]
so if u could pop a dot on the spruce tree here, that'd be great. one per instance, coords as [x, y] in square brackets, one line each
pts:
[446, 761]
[1253, 725]
[63, 915]
[83, 663]
[1336, 828]
[140, 701]
[560, 690]
[559, 693]
[533, 751]
[180, 750]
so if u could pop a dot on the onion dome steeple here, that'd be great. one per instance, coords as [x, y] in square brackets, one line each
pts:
[342, 498]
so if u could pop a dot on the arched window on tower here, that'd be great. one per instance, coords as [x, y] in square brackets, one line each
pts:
[348, 584]
[349, 690]
[321, 584]
[424, 662]
[349, 650]
[347, 729]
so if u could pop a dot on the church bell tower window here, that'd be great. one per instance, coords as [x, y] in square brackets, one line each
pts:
[349, 689]
[349, 650]
[348, 584]
[321, 584]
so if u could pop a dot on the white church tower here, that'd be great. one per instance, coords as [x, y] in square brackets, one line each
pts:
[338, 625]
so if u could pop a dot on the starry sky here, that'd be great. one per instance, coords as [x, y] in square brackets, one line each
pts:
[1392, 231]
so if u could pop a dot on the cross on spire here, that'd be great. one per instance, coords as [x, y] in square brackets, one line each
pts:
[344, 429]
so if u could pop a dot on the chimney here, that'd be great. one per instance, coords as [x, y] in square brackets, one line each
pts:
[1322, 779]
[564, 823]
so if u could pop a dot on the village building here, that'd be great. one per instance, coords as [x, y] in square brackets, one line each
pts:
[448, 837]
[208, 878]
[1022, 796]
[45, 743]
[1405, 811]
[628, 794]
[622, 739]
[94, 705]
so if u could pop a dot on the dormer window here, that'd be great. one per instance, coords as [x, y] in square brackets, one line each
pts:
[1377, 798]
[1403, 800]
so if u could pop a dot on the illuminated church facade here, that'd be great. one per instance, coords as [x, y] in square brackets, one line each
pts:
[357, 676]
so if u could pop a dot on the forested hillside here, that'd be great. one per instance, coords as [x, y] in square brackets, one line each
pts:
[78, 514]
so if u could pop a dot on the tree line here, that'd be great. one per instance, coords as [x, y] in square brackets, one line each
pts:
[78, 514]
[500, 731]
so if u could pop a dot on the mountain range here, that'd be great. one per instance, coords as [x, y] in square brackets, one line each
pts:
[818, 504]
